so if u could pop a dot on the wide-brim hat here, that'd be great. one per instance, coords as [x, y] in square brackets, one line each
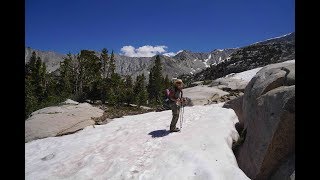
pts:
[178, 82]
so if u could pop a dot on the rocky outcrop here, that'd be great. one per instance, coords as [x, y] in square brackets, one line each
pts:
[201, 95]
[59, 120]
[268, 78]
[227, 84]
[268, 114]
[285, 170]
[253, 56]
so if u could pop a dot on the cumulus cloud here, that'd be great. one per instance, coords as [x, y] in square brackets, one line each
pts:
[145, 51]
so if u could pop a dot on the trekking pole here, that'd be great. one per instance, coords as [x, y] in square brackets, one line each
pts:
[182, 115]
[180, 118]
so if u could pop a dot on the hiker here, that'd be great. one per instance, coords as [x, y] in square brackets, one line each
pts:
[175, 102]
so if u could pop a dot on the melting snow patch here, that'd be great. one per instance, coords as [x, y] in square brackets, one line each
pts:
[272, 38]
[206, 61]
[140, 147]
[248, 75]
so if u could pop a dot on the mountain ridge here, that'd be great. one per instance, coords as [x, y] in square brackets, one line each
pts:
[185, 62]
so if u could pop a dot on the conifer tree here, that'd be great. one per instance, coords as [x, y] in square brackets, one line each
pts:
[104, 81]
[112, 65]
[66, 78]
[155, 86]
[166, 83]
[140, 91]
[129, 90]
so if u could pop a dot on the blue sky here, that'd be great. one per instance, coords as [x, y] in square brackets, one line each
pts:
[166, 26]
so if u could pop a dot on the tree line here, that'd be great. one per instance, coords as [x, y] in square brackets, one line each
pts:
[89, 77]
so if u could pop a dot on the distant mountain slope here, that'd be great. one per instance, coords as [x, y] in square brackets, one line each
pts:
[256, 55]
[51, 59]
[189, 63]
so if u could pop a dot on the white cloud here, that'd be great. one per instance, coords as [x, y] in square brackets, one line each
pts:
[146, 51]
[128, 50]
[143, 51]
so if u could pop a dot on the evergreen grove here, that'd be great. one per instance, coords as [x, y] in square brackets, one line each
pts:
[86, 76]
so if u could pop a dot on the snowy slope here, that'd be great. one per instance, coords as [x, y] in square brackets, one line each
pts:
[205, 61]
[139, 147]
[248, 75]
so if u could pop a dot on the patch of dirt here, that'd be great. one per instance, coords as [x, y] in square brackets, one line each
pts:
[232, 95]
[111, 112]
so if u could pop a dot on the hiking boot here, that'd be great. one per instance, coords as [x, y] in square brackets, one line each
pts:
[175, 130]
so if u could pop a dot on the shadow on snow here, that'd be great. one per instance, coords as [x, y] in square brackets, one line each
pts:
[159, 133]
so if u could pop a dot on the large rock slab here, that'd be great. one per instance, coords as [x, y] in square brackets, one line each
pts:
[59, 120]
[229, 84]
[201, 95]
[268, 112]
[268, 78]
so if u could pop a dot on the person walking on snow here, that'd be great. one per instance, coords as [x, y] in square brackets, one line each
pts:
[175, 102]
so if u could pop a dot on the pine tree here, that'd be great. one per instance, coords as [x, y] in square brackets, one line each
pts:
[31, 101]
[112, 65]
[104, 61]
[112, 97]
[104, 71]
[166, 83]
[142, 97]
[118, 86]
[35, 84]
[155, 86]
[129, 90]
[30, 66]
[151, 84]
[140, 91]
[88, 72]
[66, 78]
[38, 79]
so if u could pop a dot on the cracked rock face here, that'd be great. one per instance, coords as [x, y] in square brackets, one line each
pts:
[268, 112]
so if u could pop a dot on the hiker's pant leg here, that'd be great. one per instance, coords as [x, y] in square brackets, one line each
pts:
[175, 116]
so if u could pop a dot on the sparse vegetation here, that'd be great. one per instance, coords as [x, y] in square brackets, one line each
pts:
[111, 112]
[240, 141]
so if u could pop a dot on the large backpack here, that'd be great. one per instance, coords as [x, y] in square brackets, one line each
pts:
[169, 92]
